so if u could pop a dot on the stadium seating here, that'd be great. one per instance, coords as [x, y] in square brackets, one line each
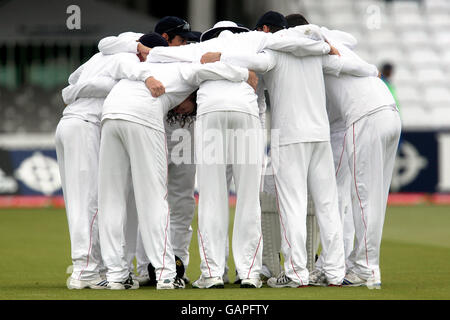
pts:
[412, 35]
[30, 109]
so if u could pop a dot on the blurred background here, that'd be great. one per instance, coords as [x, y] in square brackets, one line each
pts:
[41, 44]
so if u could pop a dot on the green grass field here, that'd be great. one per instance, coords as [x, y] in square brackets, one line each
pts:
[415, 262]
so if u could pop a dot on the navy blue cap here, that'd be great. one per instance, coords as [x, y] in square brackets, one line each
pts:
[195, 36]
[152, 40]
[272, 18]
[174, 25]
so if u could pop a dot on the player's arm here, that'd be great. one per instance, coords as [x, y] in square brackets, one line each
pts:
[300, 47]
[74, 76]
[125, 42]
[125, 66]
[98, 87]
[301, 41]
[262, 106]
[259, 62]
[336, 65]
[188, 53]
[195, 73]
[359, 68]
[345, 38]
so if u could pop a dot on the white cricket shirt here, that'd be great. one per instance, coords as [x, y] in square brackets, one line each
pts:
[132, 101]
[355, 96]
[91, 82]
[296, 88]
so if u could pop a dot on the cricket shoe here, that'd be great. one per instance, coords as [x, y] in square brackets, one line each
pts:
[353, 280]
[69, 269]
[129, 283]
[283, 281]
[251, 283]
[373, 283]
[317, 278]
[86, 284]
[208, 283]
[152, 274]
[168, 284]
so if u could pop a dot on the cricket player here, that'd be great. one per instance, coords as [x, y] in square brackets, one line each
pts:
[371, 139]
[232, 111]
[181, 172]
[78, 133]
[337, 140]
[133, 144]
[307, 138]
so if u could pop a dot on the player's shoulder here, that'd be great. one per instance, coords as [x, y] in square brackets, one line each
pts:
[121, 56]
[250, 36]
[92, 60]
[130, 35]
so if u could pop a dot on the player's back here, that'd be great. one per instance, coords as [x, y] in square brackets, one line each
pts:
[95, 66]
[131, 100]
[356, 96]
[224, 95]
[90, 108]
[297, 94]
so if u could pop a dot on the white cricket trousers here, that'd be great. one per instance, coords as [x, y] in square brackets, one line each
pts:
[215, 147]
[77, 147]
[343, 181]
[136, 153]
[371, 146]
[181, 186]
[299, 168]
[133, 240]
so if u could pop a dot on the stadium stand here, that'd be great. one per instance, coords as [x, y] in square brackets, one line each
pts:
[38, 53]
[412, 35]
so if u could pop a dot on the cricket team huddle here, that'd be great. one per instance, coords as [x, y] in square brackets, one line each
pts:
[152, 114]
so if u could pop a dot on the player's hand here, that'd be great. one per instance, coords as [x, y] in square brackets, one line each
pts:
[156, 87]
[210, 57]
[143, 52]
[333, 50]
[252, 79]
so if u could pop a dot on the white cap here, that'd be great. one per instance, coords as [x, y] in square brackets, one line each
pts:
[221, 26]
